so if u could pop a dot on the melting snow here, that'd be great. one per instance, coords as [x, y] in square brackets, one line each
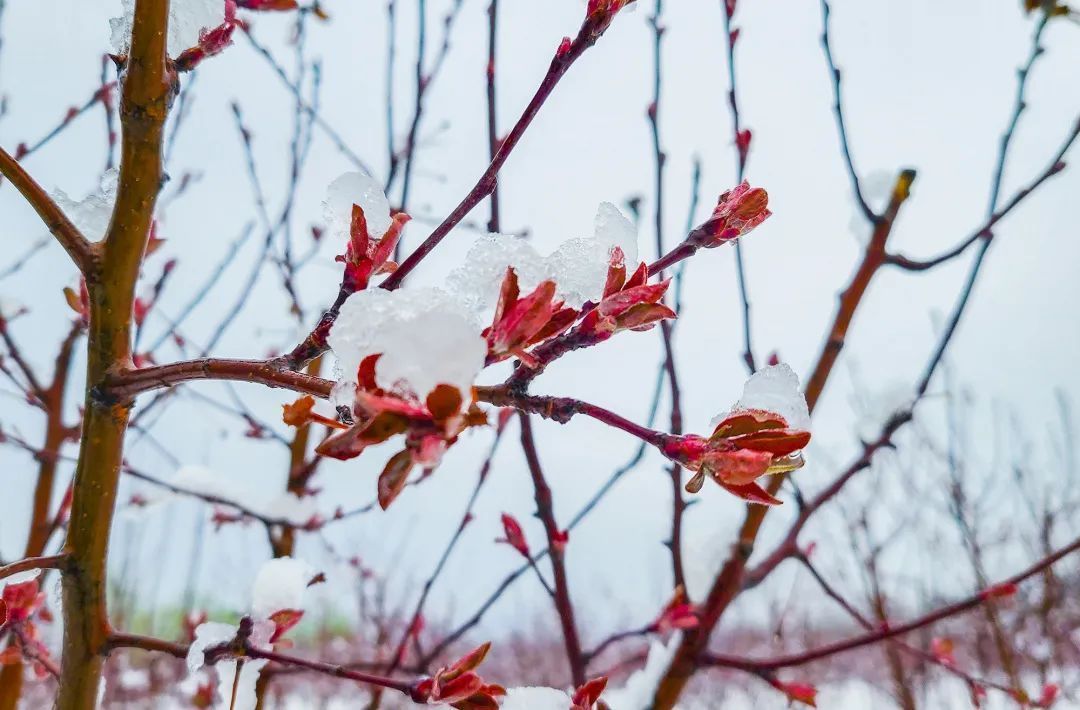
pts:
[535, 698]
[775, 389]
[187, 18]
[425, 338]
[637, 693]
[356, 189]
[280, 584]
[91, 214]
[578, 266]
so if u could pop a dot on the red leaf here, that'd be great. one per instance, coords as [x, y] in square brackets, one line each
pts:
[752, 493]
[365, 373]
[284, 620]
[616, 275]
[515, 537]
[393, 477]
[587, 695]
[1003, 590]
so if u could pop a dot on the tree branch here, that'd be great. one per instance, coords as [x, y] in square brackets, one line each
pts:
[81, 251]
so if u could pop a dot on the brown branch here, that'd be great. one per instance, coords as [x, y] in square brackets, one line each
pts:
[32, 563]
[730, 35]
[546, 512]
[149, 84]
[590, 31]
[130, 383]
[81, 251]
[832, 649]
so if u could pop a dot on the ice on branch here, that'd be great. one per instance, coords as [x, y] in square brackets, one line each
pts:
[188, 20]
[350, 189]
[281, 584]
[425, 339]
[578, 266]
[763, 434]
[234, 680]
[91, 214]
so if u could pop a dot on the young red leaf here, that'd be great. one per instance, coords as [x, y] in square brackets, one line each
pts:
[393, 477]
[515, 537]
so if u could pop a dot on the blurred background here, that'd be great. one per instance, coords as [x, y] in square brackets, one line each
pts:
[978, 486]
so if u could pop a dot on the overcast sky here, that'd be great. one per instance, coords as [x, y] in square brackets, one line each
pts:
[928, 85]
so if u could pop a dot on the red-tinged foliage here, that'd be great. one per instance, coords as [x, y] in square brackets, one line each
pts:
[586, 696]
[22, 600]
[605, 8]
[677, 614]
[211, 42]
[942, 649]
[459, 686]
[284, 620]
[627, 303]
[203, 697]
[79, 301]
[738, 211]
[366, 256]
[430, 428]
[797, 692]
[745, 446]
[521, 322]
[1004, 590]
[743, 137]
[559, 540]
[302, 412]
[1048, 696]
[514, 535]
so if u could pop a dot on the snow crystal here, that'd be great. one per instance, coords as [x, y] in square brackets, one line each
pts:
[91, 214]
[776, 389]
[425, 337]
[578, 266]
[207, 634]
[187, 19]
[356, 188]
[535, 698]
[280, 584]
[637, 693]
[242, 686]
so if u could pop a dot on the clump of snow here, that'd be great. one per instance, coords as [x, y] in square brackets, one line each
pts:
[91, 214]
[776, 389]
[207, 634]
[425, 337]
[187, 19]
[637, 693]
[291, 508]
[356, 188]
[578, 266]
[280, 584]
[535, 698]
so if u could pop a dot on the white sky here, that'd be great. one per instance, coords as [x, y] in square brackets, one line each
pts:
[927, 85]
